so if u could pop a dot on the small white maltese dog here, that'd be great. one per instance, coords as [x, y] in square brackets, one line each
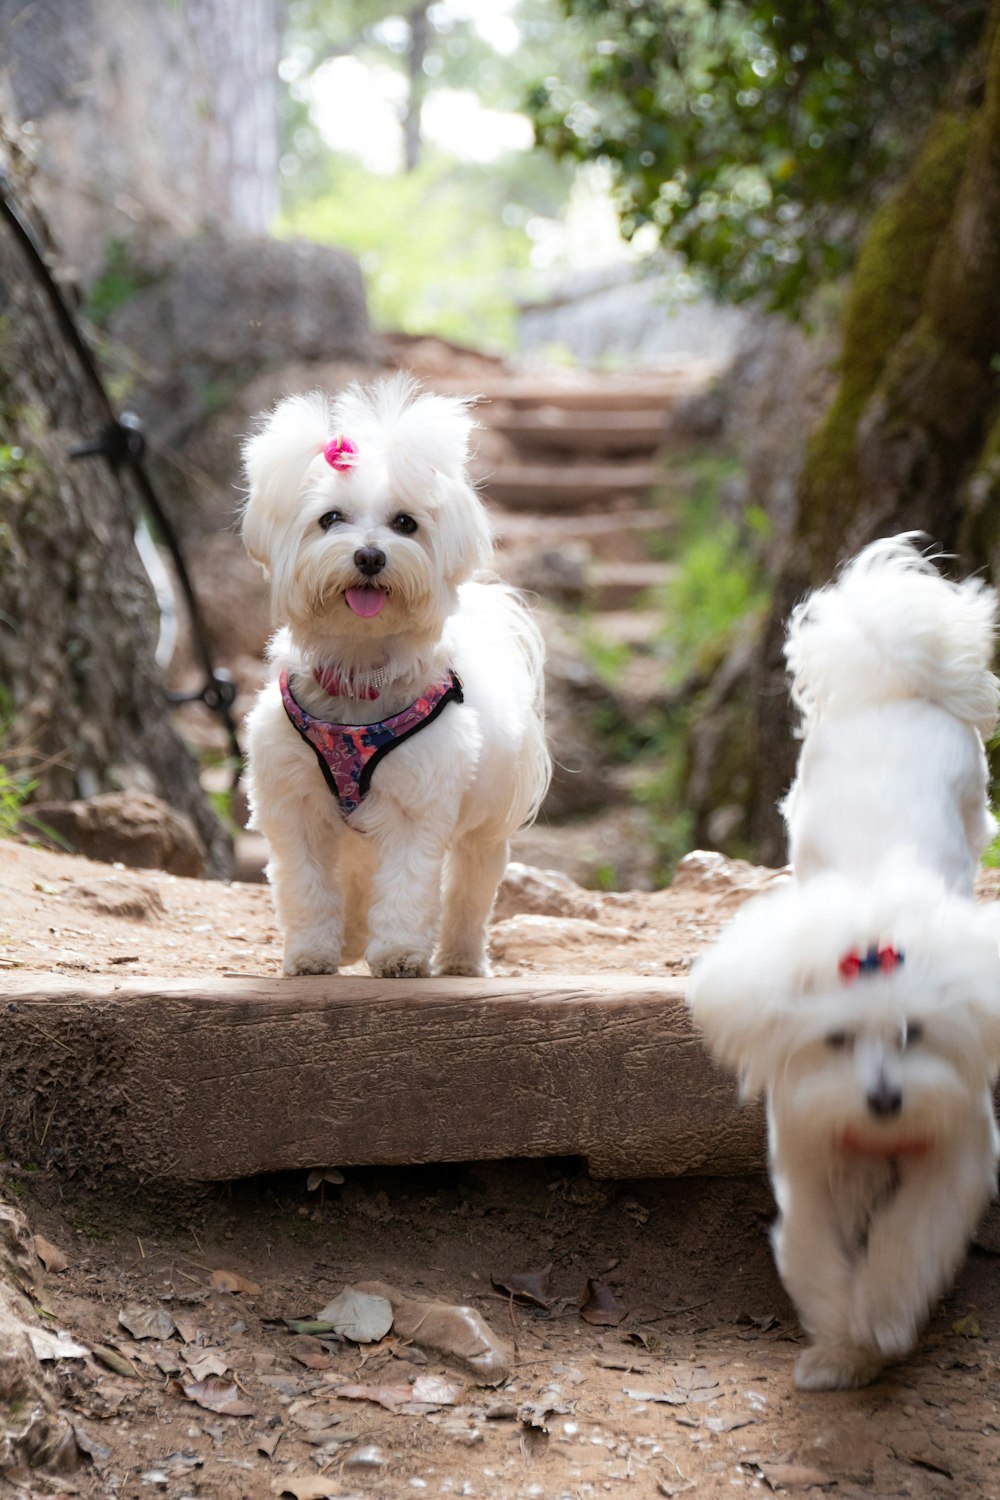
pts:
[400, 742]
[863, 998]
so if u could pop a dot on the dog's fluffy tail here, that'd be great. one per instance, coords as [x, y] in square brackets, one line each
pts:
[889, 628]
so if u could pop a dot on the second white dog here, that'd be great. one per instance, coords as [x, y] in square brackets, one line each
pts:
[863, 999]
[400, 742]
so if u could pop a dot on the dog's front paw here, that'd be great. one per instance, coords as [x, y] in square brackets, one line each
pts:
[398, 964]
[891, 1336]
[835, 1367]
[311, 953]
[464, 968]
[883, 1323]
[310, 963]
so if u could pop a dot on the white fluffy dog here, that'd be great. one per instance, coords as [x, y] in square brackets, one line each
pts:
[400, 742]
[863, 999]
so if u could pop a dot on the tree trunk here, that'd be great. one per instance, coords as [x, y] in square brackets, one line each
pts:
[419, 26]
[82, 704]
[912, 438]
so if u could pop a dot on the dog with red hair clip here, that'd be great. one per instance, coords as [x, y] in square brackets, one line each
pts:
[862, 999]
[400, 742]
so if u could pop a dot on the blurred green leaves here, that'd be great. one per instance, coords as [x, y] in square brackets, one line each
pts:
[750, 135]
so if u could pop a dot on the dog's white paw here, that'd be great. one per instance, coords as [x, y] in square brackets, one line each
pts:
[464, 968]
[892, 1336]
[399, 964]
[835, 1367]
[307, 962]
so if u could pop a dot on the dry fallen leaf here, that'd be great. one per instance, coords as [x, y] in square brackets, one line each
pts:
[205, 1362]
[309, 1352]
[231, 1281]
[600, 1307]
[456, 1332]
[48, 1344]
[392, 1397]
[307, 1486]
[531, 1287]
[146, 1322]
[115, 1361]
[662, 1398]
[218, 1395]
[51, 1257]
[361, 1316]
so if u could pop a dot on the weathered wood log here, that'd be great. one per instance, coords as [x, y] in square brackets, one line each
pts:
[236, 1076]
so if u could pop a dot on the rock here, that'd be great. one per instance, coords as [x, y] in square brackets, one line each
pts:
[548, 893]
[711, 873]
[530, 937]
[117, 896]
[131, 828]
[217, 309]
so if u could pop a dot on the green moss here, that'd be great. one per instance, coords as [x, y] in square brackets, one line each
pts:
[883, 305]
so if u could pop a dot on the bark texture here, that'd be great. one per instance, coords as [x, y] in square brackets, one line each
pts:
[911, 440]
[233, 1077]
[82, 704]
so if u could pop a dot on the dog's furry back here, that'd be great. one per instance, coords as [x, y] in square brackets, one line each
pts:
[892, 628]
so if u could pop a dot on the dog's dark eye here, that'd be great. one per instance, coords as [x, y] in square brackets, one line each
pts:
[914, 1034]
[330, 519]
[839, 1040]
[404, 524]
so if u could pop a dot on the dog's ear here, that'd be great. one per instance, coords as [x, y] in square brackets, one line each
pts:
[275, 460]
[739, 1026]
[465, 537]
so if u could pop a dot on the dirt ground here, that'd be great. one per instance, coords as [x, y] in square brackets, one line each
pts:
[686, 1388]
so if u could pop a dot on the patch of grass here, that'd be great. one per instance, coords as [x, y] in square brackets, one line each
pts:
[718, 591]
[15, 789]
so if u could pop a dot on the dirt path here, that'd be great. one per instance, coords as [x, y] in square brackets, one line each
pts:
[690, 1392]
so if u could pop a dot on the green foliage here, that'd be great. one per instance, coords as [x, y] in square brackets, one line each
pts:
[118, 282]
[753, 139]
[15, 789]
[434, 245]
[718, 588]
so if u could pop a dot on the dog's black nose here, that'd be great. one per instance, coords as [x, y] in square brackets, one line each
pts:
[369, 561]
[885, 1101]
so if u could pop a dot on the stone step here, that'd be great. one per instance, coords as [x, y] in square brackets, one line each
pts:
[555, 487]
[621, 536]
[583, 390]
[221, 1078]
[624, 585]
[552, 429]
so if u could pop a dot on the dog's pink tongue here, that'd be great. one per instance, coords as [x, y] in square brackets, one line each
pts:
[366, 602]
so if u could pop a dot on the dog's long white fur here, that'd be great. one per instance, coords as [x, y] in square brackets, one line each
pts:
[887, 819]
[410, 880]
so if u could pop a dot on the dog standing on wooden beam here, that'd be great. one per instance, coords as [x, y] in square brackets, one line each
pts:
[400, 741]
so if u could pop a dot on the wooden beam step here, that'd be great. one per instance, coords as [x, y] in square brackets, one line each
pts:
[229, 1077]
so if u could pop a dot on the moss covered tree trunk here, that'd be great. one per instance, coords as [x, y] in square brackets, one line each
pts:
[912, 437]
[82, 703]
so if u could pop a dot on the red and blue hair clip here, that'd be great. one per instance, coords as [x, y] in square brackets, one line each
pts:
[875, 960]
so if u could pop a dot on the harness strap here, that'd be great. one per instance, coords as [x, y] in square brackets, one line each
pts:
[349, 753]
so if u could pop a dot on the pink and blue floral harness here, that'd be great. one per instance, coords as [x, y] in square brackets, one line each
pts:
[349, 753]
